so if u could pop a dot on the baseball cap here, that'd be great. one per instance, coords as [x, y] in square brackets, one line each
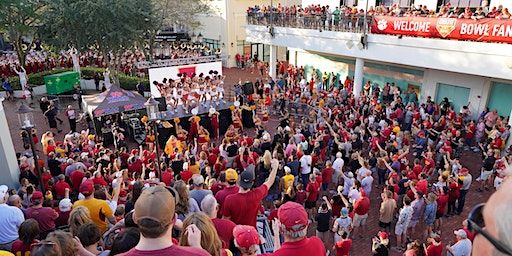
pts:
[156, 204]
[87, 188]
[3, 191]
[460, 233]
[350, 174]
[37, 195]
[382, 235]
[293, 216]
[344, 212]
[231, 175]
[463, 171]
[246, 236]
[287, 169]
[65, 205]
[198, 180]
[246, 179]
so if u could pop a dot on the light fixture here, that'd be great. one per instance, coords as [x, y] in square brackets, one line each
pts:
[152, 109]
[349, 44]
[25, 116]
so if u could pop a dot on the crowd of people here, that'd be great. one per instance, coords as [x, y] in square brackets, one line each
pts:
[334, 12]
[189, 90]
[177, 50]
[333, 157]
[42, 60]
[350, 17]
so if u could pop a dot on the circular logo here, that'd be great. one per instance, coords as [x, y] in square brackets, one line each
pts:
[382, 24]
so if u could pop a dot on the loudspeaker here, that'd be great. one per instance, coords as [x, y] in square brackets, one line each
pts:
[162, 104]
[248, 88]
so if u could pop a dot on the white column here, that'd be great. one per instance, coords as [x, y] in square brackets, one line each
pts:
[272, 62]
[358, 76]
[9, 170]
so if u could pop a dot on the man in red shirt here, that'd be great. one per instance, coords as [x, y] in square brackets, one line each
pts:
[242, 207]
[230, 189]
[224, 227]
[76, 179]
[327, 175]
[294, 224]
[343, 246]
[312, 191]
[60, 187]
[45, 216]
[361, 209]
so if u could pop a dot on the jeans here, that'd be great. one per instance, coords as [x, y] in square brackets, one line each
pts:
[462, 200]
[382, 176]
[451, 207]
[305, 179]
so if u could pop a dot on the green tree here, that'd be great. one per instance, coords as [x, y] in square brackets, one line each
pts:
[167, 13]
[109, 26]
[20, 19]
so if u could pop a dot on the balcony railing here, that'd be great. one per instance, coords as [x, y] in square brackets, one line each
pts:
[481, 30]
[343, 23]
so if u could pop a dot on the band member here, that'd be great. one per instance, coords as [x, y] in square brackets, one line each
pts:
[214, 120]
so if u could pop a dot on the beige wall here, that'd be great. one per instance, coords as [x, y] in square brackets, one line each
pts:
[227, 23]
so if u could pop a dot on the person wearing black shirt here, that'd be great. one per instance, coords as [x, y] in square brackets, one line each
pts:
[53, 165]
[323, 219]
[487, 168]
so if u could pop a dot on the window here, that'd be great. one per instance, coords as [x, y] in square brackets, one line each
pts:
[464, 3]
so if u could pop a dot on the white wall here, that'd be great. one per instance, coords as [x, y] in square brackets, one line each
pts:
[480, 87]
[227, 22]
[505, 3]
[9, 170]
[474, 58]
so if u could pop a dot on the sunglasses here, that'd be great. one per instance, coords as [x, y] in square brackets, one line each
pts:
[476, 224]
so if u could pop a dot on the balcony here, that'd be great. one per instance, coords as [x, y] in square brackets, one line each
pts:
[485, 59]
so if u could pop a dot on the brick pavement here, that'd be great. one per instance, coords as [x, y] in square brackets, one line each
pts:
[361, 246]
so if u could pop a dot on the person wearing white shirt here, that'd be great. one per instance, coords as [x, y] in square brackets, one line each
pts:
[10, 221]
[337, 165]
[305, 167]
[463, 245]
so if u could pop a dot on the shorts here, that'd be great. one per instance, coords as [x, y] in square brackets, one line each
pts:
[360, 220]
[439, 215]
[400, 229]
[384, 224]
[310, 204]
[484, 175]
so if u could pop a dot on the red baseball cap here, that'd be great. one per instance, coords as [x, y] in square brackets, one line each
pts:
[37, 195]
[293, 216]
[382, 235]
[87, 188]
[134, 152]
[246, 236]
[463, 171]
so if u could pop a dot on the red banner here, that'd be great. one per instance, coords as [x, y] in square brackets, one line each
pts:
[483, 30]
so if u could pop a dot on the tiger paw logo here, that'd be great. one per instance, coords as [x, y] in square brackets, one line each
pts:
[445, 26]
[382, 24]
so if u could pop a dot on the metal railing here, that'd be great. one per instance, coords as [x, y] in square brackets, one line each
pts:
[343, 23]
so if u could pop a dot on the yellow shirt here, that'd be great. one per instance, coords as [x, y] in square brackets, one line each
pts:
[99, 210]
[287, 179]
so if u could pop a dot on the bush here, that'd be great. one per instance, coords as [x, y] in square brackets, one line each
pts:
[37, 79]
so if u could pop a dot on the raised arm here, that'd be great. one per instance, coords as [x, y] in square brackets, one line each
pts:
[272, 177]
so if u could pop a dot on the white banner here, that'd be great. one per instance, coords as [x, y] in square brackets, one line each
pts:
[158, 74]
